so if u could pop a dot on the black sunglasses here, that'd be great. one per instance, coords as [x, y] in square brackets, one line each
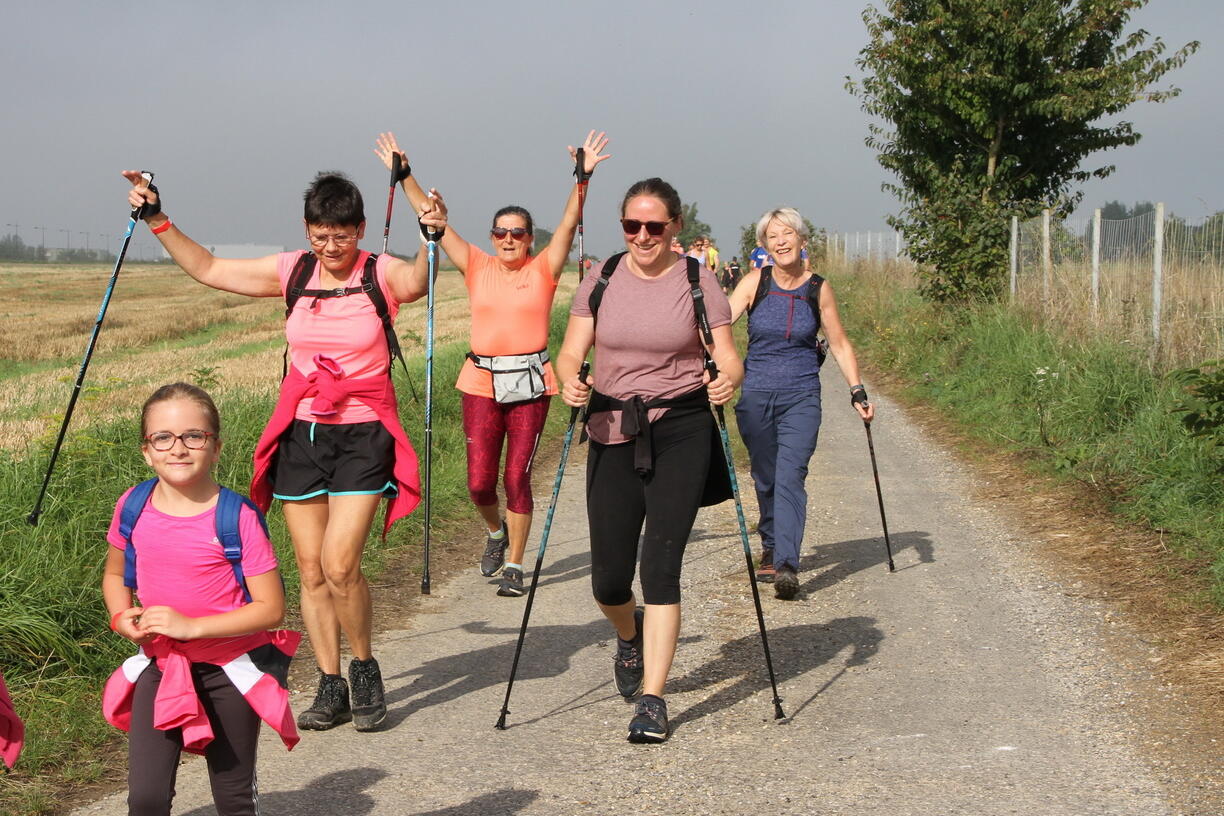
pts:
[632, 226]
[518, 233]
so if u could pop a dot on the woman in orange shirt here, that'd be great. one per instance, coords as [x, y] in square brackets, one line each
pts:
[511, 293]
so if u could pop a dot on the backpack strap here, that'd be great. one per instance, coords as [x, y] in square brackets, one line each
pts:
[295, 287]
[763, 285]
[229, 510]
[699, 309]
[133, 506]
[369, 284]
[813, 297]
[605, 273]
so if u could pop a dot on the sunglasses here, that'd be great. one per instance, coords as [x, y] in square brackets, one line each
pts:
[517, 233]
[632, 226]
[193, 440]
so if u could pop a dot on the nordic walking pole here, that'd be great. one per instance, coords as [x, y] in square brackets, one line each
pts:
[431, 246]
[879, 496]
[743, 528]
[399, 172]
[89, 350]
[535, 575]
[583, 177]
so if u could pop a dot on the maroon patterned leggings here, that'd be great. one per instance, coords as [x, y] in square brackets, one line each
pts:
[486, 423]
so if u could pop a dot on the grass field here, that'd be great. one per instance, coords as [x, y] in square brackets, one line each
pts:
[55, 649]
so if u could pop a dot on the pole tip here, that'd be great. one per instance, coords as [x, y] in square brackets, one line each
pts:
[778, 713]
[424, 587]
[32, 519]
[501, 721]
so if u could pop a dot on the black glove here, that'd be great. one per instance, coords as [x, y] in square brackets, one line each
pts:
[858, 396]
[430, 233]
[150, 209]
[404, 169]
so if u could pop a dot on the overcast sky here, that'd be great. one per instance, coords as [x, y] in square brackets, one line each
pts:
[740, 105]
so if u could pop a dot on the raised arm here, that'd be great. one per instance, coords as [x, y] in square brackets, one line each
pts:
[563, 238]
[840, 346]
[409, 282]
[452, 244]
[244, 276]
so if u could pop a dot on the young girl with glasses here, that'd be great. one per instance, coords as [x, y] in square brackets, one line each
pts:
[511, 294]
[208, 669]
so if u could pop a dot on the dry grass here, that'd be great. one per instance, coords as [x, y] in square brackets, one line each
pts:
[160, 326]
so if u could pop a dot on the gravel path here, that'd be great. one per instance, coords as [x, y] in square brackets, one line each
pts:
[968, 682]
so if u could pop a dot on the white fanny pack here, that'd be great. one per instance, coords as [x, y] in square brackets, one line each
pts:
[516, 377]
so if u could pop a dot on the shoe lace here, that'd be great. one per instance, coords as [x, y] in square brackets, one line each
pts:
[363, 678]
[627, 654]
[653, 709]
[328, 696]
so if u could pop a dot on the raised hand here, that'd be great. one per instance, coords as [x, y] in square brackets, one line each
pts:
[141, 193]
[385, 147]
[591, 151]
[433, 212]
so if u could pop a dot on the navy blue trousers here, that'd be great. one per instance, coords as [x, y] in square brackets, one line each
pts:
[780, 429]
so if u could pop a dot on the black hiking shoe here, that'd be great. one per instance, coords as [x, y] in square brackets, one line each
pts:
[511, 583]
[765, 567]
[494, 553]
[649, 723]
[369, 706]
[786, 583]
[628, 666]
[330, 707]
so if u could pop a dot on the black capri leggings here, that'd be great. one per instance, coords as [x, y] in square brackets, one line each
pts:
[666, 500]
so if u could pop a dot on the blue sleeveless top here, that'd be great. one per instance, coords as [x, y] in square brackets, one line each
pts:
[782, 343]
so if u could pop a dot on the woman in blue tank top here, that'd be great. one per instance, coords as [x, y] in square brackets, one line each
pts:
[779, 409]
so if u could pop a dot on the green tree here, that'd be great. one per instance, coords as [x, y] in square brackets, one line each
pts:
[988, 109]
[693, 226]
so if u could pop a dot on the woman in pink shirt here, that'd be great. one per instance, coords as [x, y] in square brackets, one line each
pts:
[203, 678]
[334, 447]
[511, 293]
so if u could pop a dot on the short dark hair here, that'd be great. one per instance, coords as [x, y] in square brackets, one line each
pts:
[658, 188]
[187, 391]
[332, 199]
[514, 209]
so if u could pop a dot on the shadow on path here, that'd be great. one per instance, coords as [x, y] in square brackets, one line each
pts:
[499, 803]
[546, 653]
[796, 650]
[831, 563]
[339, 792]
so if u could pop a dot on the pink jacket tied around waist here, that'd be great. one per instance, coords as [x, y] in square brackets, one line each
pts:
[327, 386]
[12, 729]
[256, 664]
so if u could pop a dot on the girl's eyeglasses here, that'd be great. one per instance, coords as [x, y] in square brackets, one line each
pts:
[164, 440]
[632, 226]
[517, 233]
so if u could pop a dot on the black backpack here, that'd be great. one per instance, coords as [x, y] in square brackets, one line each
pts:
[812, 297]
[296, 288]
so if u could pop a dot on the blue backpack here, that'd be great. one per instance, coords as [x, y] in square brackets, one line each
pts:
[229, 507]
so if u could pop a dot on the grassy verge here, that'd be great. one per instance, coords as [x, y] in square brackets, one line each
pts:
[55, 648]
[1085, 409]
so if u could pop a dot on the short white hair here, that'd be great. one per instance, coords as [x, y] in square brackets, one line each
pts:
[788, 216]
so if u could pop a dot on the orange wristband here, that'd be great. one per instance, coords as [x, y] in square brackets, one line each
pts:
[162, 228]
[115, 619]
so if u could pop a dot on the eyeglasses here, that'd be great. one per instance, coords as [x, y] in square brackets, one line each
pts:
[193, 440]
[341, 241]
[517, 233]
[632, 226]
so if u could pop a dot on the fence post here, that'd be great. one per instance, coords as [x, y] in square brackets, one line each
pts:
[1013, 251]
[897, 251]
[1157, 277]
[1047, 258]
[1096, 263]
[869, 246]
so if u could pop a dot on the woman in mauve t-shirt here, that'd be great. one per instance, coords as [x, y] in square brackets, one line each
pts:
[652, 435]
[511, 293]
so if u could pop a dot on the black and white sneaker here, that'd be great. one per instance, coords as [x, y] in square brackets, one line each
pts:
[330, 707]
[786, 583]
[628, 667]
[494, 553]
[649, 723]
[511, 583]
[369, 703]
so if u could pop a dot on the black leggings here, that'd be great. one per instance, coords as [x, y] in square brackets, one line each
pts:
[153, 755]
[666, 500]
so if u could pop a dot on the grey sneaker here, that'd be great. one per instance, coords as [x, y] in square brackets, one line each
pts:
[649, 723]
[495, 553]
[628, 666]
[330, 707]
[511, 583]
[786, 583]
[369, 705]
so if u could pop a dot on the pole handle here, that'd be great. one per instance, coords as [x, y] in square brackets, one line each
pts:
[137, 212]
[580, 171]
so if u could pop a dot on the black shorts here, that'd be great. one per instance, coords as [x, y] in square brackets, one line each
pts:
[317, 459]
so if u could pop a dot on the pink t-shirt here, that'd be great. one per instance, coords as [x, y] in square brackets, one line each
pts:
[510, 315]
[180, 562]
[646, 339]
[346, 329]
